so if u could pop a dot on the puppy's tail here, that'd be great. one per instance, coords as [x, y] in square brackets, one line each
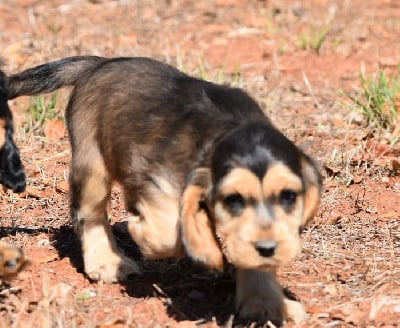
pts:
[50, 76]
[41, 79]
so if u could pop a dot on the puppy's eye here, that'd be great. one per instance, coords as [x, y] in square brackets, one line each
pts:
[235, 202]
[287, 197]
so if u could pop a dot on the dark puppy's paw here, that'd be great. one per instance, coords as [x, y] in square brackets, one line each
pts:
[12, 174]
[261, 309]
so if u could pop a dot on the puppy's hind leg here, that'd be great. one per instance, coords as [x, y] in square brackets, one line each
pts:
[90, 192]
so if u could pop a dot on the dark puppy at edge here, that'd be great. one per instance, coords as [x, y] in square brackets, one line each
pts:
[203, 171]
[12, 176]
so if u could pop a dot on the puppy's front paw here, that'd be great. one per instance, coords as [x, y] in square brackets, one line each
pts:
[261, 309]
[103, 261]
[264, 309]
[260, 298]
[110, 268]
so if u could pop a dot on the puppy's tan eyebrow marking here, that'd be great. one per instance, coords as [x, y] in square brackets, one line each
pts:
[241, 181]
[279, 177]
[244, 182]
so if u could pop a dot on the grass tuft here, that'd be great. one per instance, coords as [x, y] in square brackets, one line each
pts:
[40, 109]
[315, 39]
[379, 102]
[219, 75]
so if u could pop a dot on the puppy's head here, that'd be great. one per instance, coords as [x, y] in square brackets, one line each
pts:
[11, 170]
[263, 191]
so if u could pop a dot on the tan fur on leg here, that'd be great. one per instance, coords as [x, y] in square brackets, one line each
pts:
[2, 132]
[156, 229]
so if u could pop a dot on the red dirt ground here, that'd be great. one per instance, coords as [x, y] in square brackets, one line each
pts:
[348, 274]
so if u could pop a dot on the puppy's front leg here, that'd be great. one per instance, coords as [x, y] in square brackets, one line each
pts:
[259, 297]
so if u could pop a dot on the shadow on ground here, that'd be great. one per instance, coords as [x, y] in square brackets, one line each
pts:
[189, 290]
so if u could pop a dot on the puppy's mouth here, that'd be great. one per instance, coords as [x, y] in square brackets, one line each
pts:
[266, 248]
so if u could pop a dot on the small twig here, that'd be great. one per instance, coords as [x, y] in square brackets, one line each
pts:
[160, 291]
[224, 249]
[61, 154]
[229, 322]
[270, 324]
[307, 82]
[168, 302]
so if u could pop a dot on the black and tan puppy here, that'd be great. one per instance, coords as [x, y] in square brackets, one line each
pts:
[12, 176]
[203, 171]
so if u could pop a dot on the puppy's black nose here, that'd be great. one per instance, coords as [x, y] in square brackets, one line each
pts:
[266, 248]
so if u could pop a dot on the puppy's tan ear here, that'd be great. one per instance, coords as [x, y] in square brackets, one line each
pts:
[313, 186]
[3, 132]
[196, 226]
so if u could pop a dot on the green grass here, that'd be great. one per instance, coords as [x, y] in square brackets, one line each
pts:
[40, 109]
[315, 39]
[377, 102]
[219, 75]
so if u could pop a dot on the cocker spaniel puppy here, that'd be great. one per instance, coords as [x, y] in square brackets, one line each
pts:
[204, 173]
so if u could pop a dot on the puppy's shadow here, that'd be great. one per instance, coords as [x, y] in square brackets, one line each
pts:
[12, 231]
[68, 245]
[190, 291]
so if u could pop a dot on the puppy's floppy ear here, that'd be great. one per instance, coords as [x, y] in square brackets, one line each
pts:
[312, 184]
[197, 231]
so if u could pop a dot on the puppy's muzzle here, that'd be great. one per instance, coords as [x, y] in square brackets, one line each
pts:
[266, 248]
